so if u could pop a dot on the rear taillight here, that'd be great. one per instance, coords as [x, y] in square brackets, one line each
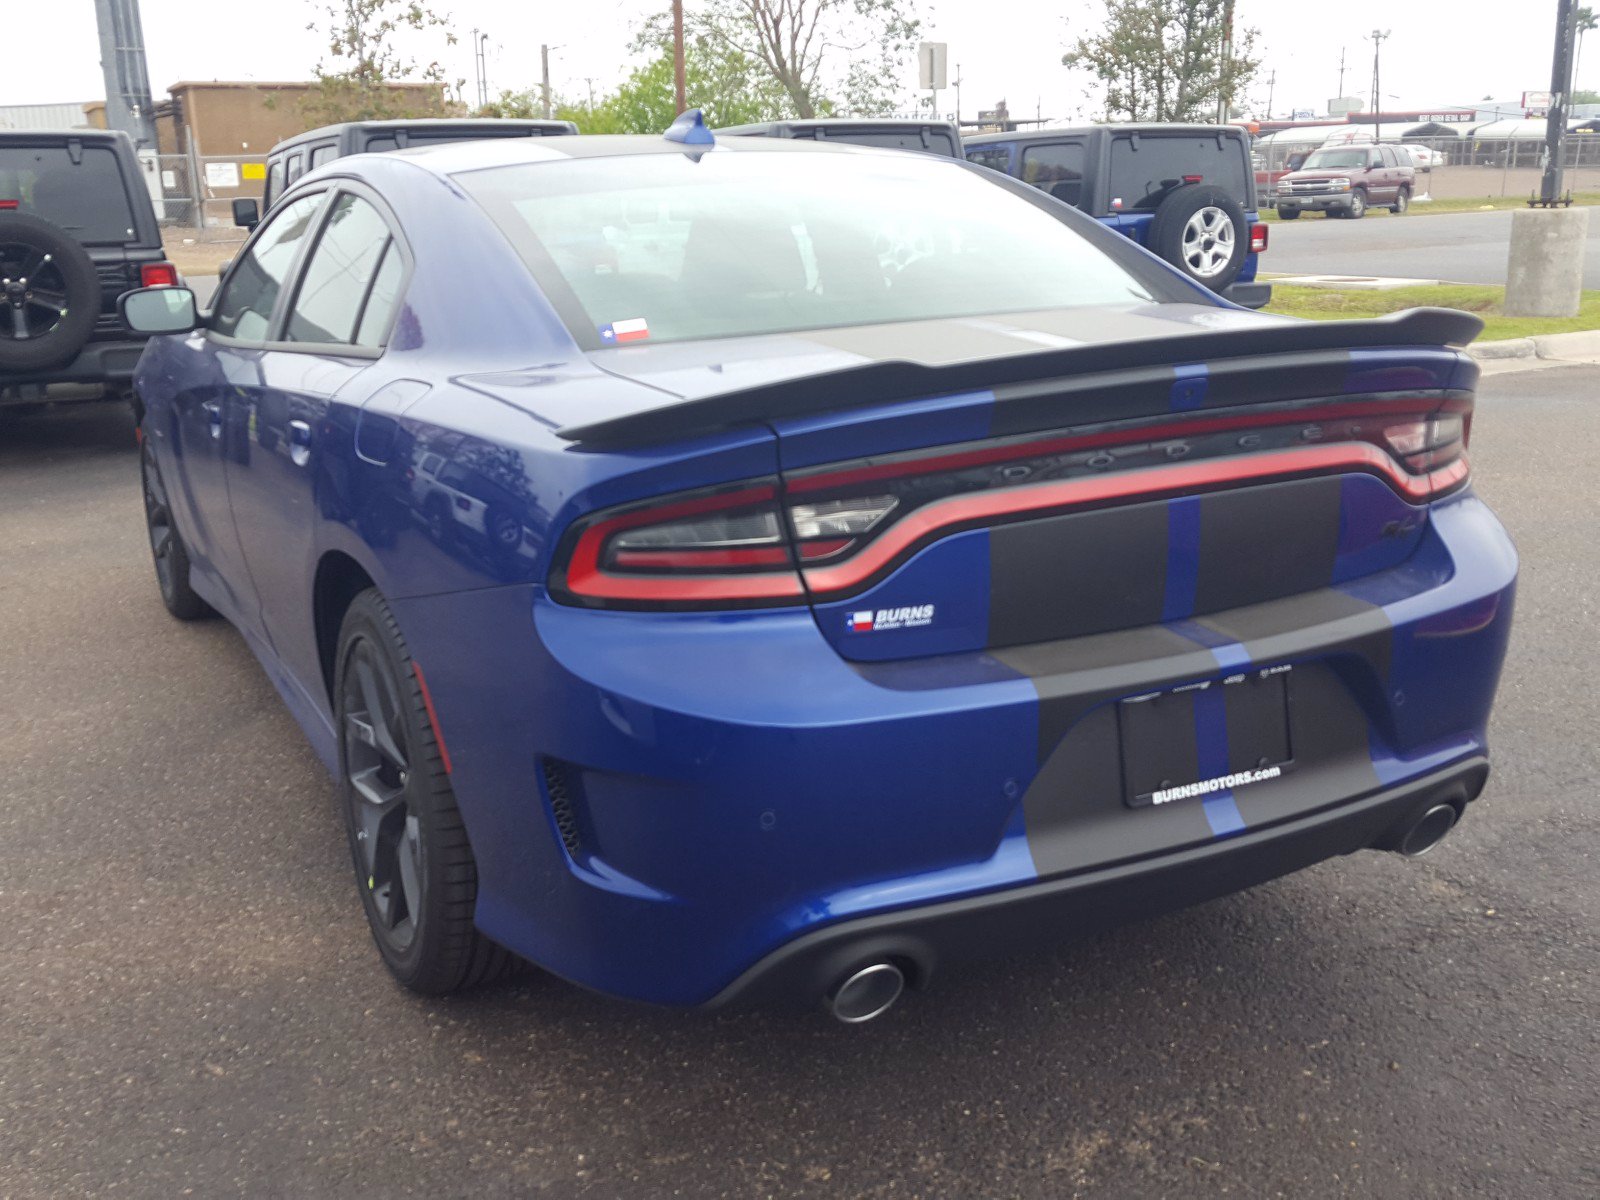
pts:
[1258, 238]
[8, 205]
[158, 274]
[831, 531]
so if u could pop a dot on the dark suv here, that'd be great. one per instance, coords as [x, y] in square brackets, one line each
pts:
[1186, 193]
[930, 137]
[77, 229]
[293, 157]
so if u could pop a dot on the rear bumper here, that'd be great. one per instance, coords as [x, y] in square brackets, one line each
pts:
[107, 363]
[977, 927]
[1249, 295]
[732, 790]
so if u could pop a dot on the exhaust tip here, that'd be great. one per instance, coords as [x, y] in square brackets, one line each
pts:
[867, 993]
[1429, 830]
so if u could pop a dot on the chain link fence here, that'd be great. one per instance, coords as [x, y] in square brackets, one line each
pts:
[1455, 168]
[196, 193]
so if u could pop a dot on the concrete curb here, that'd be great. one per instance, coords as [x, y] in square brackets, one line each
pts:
[1582, 346]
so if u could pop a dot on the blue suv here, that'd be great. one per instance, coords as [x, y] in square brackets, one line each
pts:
[1186, 193]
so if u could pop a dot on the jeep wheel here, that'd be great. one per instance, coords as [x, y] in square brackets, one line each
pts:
[1201, 231]
[49, 294]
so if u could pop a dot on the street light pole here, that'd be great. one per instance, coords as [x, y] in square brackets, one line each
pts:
[1378, 36]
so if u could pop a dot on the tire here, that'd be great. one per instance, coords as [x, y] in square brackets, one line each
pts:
[415, 870]
[1202, 231]
[1402, 202]
[1358, 205]
[1289, 214]
[167, 548]
[50, 296]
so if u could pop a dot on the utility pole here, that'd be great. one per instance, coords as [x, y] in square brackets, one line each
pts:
[1340, 92]
[1378, 36]
[544, 66]
[1272, 84]
[956, 83]
[1555, 125]
[128, 103]
[481, 66]
[1223, 96]
[680, 88]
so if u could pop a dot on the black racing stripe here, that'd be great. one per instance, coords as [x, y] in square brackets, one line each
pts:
[1293, 376]
[1028, 407]
[1074, 808]
[1293, 627]
[1268, 541]
[1075, 675]
[1078, 573]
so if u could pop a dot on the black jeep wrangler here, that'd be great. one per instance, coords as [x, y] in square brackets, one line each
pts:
[894, 133]
[77, 229]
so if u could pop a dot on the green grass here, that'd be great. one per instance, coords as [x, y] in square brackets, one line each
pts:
[1465, 204]
[1327, 304]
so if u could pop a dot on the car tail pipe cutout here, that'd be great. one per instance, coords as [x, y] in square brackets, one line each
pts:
[1425, 829]
[866, 993]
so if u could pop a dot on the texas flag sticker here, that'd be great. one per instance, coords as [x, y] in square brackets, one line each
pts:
[861, 622]
[635, 330]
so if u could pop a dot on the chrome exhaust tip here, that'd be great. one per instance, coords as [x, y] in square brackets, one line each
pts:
[867, 993]
[1430, 829]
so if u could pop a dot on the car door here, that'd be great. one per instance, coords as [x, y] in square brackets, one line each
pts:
[330, 327]
[1384, 174]
[217, 361]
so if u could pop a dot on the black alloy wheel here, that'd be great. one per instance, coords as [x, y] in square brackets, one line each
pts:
[414, 866]
[166, 543]
[49, 294]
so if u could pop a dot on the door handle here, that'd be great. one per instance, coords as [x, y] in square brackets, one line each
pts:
[299, 443]
[214, 416]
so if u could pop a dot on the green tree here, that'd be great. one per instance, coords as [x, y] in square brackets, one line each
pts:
[353, 83]
[1585, 20]
[1161, 60]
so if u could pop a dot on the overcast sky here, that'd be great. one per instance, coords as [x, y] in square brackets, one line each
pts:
[1437, 55]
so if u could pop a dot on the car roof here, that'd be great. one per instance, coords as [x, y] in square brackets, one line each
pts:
[449, 158]
[840, 123]
[1145, 127]
[424, 123]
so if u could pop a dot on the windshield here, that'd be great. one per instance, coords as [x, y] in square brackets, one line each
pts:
[668, 248]
[87, 198]
[1336, 160]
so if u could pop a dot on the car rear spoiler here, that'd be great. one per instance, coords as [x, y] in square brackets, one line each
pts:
[887, 382]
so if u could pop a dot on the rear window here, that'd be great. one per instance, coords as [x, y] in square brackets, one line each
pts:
[87, 198]
[671, 248]
[939, 140]
[387, 141]
[1146, 168]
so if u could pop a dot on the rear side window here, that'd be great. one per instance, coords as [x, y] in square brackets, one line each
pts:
[381, 300]
[297, 167]
[1145, 169]
[87, 198]
[996, 158]
[323, 154]
[244, 310]
[274, 183]
[333, 291]
[938, 140]
[1056, 168]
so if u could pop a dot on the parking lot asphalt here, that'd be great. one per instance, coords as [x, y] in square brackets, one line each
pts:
[1469, 247]
[190, 1002]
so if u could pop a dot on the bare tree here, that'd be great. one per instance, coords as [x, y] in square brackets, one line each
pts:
[353, 82]
[824, 54]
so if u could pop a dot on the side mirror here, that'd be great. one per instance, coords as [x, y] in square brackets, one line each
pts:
[246, 212]
[158, 310]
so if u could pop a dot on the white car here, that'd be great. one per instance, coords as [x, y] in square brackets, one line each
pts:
[1423, 157]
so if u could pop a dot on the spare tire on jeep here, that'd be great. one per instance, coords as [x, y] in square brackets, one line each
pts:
[49, 294]
[1202, 231]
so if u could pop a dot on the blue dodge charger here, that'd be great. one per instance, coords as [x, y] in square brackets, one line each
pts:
[763, 569]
